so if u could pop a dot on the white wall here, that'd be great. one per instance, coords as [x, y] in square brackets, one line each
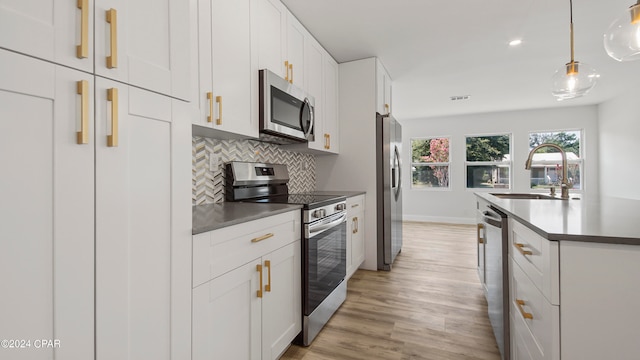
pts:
[457, 205]
[619, 125]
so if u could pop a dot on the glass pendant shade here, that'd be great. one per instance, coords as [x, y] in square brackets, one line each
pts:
[622, 39]
[573, 80]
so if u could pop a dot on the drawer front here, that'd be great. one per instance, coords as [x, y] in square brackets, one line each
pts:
[355, 205]
[219, 251]
[534, 318]
[538, 258]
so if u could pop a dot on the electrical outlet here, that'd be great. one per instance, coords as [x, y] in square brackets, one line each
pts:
[213, 162]
[303, 165]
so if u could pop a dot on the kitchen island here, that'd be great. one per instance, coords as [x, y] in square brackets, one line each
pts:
[574, 277]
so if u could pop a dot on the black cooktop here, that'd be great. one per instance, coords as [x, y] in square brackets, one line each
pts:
[307, 200]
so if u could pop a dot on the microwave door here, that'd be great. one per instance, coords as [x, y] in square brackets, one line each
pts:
[307, 120]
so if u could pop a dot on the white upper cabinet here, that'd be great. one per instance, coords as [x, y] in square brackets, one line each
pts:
[144, 43]
[57, 31]
[330, 101]
[227, 74]
[383, 89]
[297, 35]
[313, 84]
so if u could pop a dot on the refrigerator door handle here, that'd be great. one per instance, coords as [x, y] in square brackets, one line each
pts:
[396, 160]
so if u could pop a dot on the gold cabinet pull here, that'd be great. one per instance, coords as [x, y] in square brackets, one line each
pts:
[83, 91]
[112, 18]
[82, 50]
[525, 314]
[386, 106]
[259, 270]
[480, 239]
[355, 225]
[219, 102]
[112, 95]
[355, 205]
[291, 76]
[267, 287]
[521, 249]
[210, 98]
[286, 69]
[327, 141]
[263, 237]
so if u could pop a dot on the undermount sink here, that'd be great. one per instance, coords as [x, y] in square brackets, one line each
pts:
[525, 196]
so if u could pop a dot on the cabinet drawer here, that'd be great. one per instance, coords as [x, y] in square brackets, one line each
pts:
[219, 251]
[355, 205]
[538, 258]
[535, 320]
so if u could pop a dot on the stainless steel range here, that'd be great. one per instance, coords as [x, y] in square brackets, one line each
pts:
[324, 234]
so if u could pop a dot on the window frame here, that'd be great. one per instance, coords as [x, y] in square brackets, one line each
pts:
[509, 162]
[580, 161]
[447, 164]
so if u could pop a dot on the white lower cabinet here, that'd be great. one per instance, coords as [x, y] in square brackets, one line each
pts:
[248, 309]
[355, 234]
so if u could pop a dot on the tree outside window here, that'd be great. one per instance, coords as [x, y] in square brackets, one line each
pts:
[488, 162]
[430, 163]
[546, 168]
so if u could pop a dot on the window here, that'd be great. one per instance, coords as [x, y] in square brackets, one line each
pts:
[546, 167]
[488, 162]
[430, 163]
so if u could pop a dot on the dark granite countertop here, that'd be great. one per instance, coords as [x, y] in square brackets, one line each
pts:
[595, 219]
[341, 193]
[215, 216]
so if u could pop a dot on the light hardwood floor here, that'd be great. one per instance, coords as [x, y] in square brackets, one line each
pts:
[430, 306]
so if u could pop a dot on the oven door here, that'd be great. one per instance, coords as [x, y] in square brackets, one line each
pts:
[325, 260]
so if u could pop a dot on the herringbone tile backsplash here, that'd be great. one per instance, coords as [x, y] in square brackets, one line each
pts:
[208, 184]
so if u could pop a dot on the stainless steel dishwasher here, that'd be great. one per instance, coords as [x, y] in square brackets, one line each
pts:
[496, 273]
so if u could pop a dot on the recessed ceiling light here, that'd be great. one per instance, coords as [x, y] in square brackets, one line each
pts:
[515, 42]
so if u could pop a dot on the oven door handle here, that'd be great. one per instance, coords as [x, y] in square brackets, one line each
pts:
[316, 229]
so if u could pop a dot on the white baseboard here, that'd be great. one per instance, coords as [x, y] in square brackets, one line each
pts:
[439, 219]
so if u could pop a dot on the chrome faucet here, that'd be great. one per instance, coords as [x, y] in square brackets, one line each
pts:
[565, 185]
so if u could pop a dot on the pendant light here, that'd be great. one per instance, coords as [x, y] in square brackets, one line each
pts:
[622, 39]
[574, 79]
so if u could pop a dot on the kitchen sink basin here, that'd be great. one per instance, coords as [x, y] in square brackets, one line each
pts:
[525, 196]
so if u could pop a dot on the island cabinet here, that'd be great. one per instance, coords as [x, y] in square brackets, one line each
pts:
[247, 299]
[571, 299]
[355, 233]
[142, 43]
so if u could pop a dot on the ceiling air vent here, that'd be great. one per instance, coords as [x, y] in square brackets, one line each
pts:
[460, 97]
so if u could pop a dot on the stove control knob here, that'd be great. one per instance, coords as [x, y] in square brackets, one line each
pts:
[319, 213]
[341, 206]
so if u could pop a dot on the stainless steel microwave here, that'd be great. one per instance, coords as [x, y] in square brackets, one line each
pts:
[286, 111]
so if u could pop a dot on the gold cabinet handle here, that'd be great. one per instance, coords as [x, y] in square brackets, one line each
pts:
[210, 98]
[386, 106]
[112, 95]
[83, 91]
[525, 314]
[82, 50]
[267, 287]
[521, 249]
[112, 18]
[353, 224]
[263, 237]
[259, 270]
[291, 76]
[480, 239]
[219, 102]
[286, 69]
[355, 205]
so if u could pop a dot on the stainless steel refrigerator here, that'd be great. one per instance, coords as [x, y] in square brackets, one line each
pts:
[389, 189]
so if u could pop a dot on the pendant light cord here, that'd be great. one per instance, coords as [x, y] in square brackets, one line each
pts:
[571, 22]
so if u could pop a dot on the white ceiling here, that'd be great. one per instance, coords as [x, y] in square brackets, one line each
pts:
[434, 49]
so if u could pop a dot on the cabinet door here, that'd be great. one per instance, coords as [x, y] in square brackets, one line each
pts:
[313, 85]
[227, 315]
[282, 300]
[142, 235]
[270, 20]
[234, 72]
[297, 36]
[330, 100]
[383, 91]
[46, 209]
[50, 30]
[147, 42]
